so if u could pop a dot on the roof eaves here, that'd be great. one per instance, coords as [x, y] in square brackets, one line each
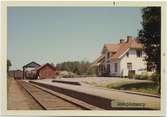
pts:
[53, 67]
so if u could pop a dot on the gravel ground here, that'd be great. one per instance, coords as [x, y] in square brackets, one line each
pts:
[101, 80]
[19, 99]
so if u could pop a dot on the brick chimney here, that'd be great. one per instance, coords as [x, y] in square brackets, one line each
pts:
[129, 38]
[122, 40]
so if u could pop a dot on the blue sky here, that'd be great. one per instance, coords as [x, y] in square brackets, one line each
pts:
[58, 34]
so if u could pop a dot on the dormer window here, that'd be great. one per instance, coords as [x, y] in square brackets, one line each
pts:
[139, 53]
[113, 53]
[127, 54]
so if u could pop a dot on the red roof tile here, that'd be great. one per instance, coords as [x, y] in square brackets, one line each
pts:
[121, 48]
[112, 47]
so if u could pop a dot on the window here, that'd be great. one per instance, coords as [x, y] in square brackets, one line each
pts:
[108, 55]
[139, 53]
[129, 66]
[127, 54]
[108, 68]
[116, 67]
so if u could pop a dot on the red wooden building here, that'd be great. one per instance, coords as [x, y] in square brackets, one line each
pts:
[46, 71]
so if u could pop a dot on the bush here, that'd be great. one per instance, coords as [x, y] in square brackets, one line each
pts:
[138, 77]
[155, 77]
[131, 74]
[143, 76]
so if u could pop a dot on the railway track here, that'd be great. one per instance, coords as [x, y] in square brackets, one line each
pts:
[51, 100]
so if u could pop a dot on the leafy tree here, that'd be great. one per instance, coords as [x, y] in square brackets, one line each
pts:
[77, 67]
[9, 64]
[150, 35]
[91, 71]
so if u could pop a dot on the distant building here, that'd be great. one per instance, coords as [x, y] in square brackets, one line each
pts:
[46, 71]
[66, 74]
[34, 71]
[122, 58]
[27, 74]
[16, 74]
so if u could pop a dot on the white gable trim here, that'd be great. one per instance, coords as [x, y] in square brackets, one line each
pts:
[104, 49]
[124, 53]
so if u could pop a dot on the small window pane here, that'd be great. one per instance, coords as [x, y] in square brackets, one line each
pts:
[108, 55]
[116, 67]
[127, 54]
[129, 66]
[139, 53]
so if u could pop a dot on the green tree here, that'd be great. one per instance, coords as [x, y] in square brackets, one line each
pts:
[9, 64]
[77, 67]
[150, 35]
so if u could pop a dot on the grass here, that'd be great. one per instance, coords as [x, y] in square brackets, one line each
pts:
[144, 87]
[9, 80]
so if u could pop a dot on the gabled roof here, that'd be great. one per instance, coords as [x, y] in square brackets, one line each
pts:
[32, 65]
[112, 47]
[120, 48]
[98, 61]
[47, 64]
[13, 71]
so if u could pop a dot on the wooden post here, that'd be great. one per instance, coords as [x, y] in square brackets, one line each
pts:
[23, 72]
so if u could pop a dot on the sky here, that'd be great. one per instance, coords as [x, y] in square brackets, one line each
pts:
[58, 34]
